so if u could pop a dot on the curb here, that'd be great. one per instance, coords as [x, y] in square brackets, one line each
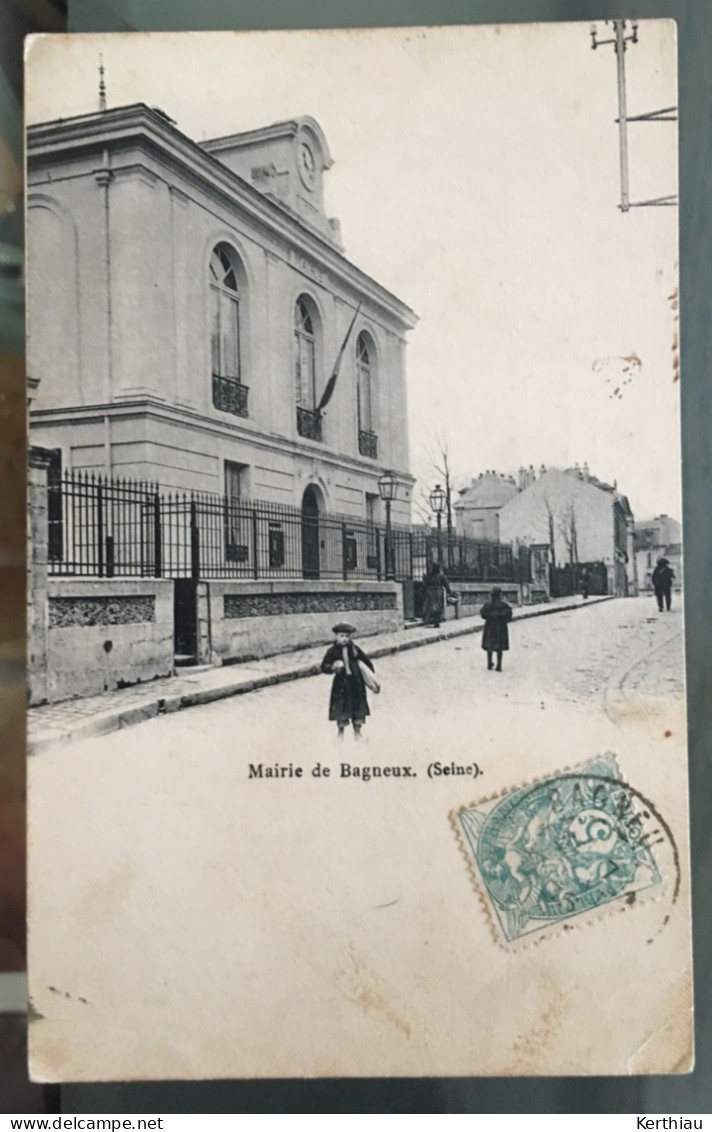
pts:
[116, 720]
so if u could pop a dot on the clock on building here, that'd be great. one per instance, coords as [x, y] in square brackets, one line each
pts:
[307, 165]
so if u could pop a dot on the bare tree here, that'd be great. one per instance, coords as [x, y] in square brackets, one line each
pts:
[552, 533]
[568, 528]
[440, 461]
[421, 505]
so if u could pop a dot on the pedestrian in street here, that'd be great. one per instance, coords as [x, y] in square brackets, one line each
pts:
[662, 579]
[350, 668]
[585, 579]
[436, 586]
[495, 636]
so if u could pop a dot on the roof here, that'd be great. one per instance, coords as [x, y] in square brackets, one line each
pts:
[118, 129]
[490, 491]
[645, 539]
[288, 128]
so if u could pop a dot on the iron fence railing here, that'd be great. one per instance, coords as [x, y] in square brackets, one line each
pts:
[103, 527]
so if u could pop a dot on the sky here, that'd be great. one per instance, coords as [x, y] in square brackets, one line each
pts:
[476, 175]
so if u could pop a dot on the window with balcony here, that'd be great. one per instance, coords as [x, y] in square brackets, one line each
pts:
[365, 365]
[230, 394]
[305, 368]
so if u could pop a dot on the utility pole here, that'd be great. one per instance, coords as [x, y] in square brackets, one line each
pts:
[622, 108]
[619, 41]
[669, 114]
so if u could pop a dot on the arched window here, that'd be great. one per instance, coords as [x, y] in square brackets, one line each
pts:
[305, 355]
[229, 392]
[306, 350]
[224, 314]
[365, 376]
[363, 389]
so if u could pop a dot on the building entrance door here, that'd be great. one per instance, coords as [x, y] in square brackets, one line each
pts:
[185, 620]
[310, 533]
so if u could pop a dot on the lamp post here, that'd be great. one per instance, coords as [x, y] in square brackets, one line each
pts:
[437, 503]
[387, 487]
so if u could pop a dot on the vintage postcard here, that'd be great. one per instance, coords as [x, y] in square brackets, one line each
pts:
[357, 728]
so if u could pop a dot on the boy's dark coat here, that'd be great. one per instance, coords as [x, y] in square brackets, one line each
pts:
[495, 635]
[348, 692]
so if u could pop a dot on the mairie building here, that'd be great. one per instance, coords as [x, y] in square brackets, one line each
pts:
[187, 305]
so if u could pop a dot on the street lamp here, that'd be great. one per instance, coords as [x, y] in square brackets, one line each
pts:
[437, 503]
[387, 487]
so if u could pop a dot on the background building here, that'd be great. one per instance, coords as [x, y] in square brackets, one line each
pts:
[187, 304]
[581, 520]
[657, 538]
[477, 509]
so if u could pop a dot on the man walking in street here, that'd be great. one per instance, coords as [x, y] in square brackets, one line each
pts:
[585, 579]
[662, 583]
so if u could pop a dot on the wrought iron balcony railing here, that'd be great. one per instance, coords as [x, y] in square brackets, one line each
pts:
[309, 423]
[230, 395]
[368, 444]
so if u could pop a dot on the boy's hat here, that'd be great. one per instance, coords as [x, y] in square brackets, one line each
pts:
[343, 627]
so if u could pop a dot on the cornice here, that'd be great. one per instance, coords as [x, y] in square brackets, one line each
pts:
[268, 442]
[287, 129]
[139, 126]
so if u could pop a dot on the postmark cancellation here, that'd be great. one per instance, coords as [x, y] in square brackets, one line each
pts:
[566, 848]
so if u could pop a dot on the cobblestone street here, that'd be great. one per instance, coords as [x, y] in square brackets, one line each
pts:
[597, 659]
[162, 852]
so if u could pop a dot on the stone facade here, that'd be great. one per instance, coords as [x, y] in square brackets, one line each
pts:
[473, 595]
[276, 604]
[103, 634]
[167, 280]
[37, 576]
[116, 609]
[236, 619]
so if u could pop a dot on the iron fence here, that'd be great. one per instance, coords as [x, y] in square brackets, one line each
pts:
[104, 527]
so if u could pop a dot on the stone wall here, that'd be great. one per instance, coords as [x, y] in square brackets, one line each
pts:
[103, 634]
[473, 595]
[254, 619]
[37, 575]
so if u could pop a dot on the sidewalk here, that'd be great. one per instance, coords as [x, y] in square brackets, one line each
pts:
[98, 715]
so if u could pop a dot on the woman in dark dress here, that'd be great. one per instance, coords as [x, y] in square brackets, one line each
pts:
[348, 702]
[436, 586]
[495, 636]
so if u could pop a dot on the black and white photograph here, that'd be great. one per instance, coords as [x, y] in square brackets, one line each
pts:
[357, 734]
